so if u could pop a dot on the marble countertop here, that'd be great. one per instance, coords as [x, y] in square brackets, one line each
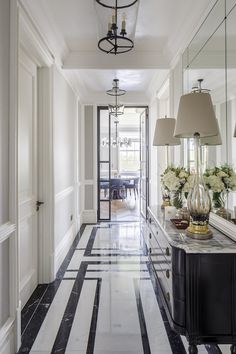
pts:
[177, 238]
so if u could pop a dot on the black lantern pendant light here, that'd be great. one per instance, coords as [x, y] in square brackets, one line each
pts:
[116, 109]
[116, 41]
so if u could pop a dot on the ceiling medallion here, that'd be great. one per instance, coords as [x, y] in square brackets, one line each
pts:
[116, 42]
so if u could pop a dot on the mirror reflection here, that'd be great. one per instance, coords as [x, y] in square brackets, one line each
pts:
[209, 58]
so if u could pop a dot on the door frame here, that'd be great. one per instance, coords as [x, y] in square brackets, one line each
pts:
[146, 108]
[99, 109]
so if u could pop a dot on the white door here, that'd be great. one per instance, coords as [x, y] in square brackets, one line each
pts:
[27, 176]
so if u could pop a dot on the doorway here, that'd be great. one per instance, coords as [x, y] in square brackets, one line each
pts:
[122, 164]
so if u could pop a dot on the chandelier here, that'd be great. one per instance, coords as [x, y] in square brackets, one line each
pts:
[117, 141]
[116, 40]
[116, 109]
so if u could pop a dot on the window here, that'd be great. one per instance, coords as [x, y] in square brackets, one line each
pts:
[130, 157]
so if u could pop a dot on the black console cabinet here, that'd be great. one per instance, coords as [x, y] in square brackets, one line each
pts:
[198, 288]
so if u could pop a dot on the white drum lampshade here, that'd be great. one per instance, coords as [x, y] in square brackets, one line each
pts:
[196, 115]
[164, 132]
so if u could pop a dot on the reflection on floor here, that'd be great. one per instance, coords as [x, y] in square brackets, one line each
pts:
[105, 300]
[125, 210]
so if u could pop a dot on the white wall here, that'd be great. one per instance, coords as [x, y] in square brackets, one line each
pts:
[4, 156]
[4, 111]
[7, 228]
[65, 124]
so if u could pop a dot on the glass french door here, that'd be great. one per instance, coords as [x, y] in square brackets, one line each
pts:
[104, 164]
[144, 170]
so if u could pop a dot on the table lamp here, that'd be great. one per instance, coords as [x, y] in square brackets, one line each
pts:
[196, 119]
[163, 136]
[210, 141]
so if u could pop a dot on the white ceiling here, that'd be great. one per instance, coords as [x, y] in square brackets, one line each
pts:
[71, 30]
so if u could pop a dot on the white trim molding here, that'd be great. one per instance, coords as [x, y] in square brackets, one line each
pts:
[6, 230]
[64, 194]
[7, 337]
[31, 40]
[223, 225]
[61, 251]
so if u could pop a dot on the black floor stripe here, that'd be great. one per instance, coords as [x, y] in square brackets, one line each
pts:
[142, 323]
[29, 309]
[90, 243]
[93, 326]
[63, 333]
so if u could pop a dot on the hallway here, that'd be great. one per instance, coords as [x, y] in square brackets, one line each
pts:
[104, 301]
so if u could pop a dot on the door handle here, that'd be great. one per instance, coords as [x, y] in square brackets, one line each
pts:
[38, 203]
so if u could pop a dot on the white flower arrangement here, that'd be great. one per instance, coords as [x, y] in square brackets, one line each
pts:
[175, 178]
[220, 179]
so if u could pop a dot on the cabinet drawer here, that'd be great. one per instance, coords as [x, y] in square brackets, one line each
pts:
[166, 289]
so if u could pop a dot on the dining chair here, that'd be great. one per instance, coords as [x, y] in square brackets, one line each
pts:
[132, 185]
[117, 189]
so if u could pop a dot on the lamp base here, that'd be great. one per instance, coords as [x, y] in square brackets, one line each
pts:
[199, 232]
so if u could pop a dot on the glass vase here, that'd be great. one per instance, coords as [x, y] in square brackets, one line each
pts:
[199, 201]
[218, 204]
[218, 200]
[176, 199]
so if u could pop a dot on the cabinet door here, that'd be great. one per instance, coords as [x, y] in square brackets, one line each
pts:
[210, 284]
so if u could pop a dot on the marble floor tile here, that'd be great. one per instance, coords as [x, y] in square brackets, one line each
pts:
[79, 335]
[105, 300]
[50, 326]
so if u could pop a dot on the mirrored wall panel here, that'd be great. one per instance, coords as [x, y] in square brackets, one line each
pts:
[211, 56]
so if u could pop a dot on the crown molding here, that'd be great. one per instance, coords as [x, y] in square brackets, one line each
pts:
[38, 15]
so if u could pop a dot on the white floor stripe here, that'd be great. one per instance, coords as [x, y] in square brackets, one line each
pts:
[118, 329]
[48, 331]
[158, 339]
[201, 348]
[120, 266]
[85, 237]
[76, 260]
[106, 274]
[70, 275]
[78, 339]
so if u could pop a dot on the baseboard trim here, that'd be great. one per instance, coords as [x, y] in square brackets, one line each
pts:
[7, 337]
[26, 288]
[63, 248]
[79, 221]
[89, 216]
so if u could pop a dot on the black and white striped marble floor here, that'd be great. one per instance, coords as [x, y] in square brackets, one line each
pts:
[104, 301]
